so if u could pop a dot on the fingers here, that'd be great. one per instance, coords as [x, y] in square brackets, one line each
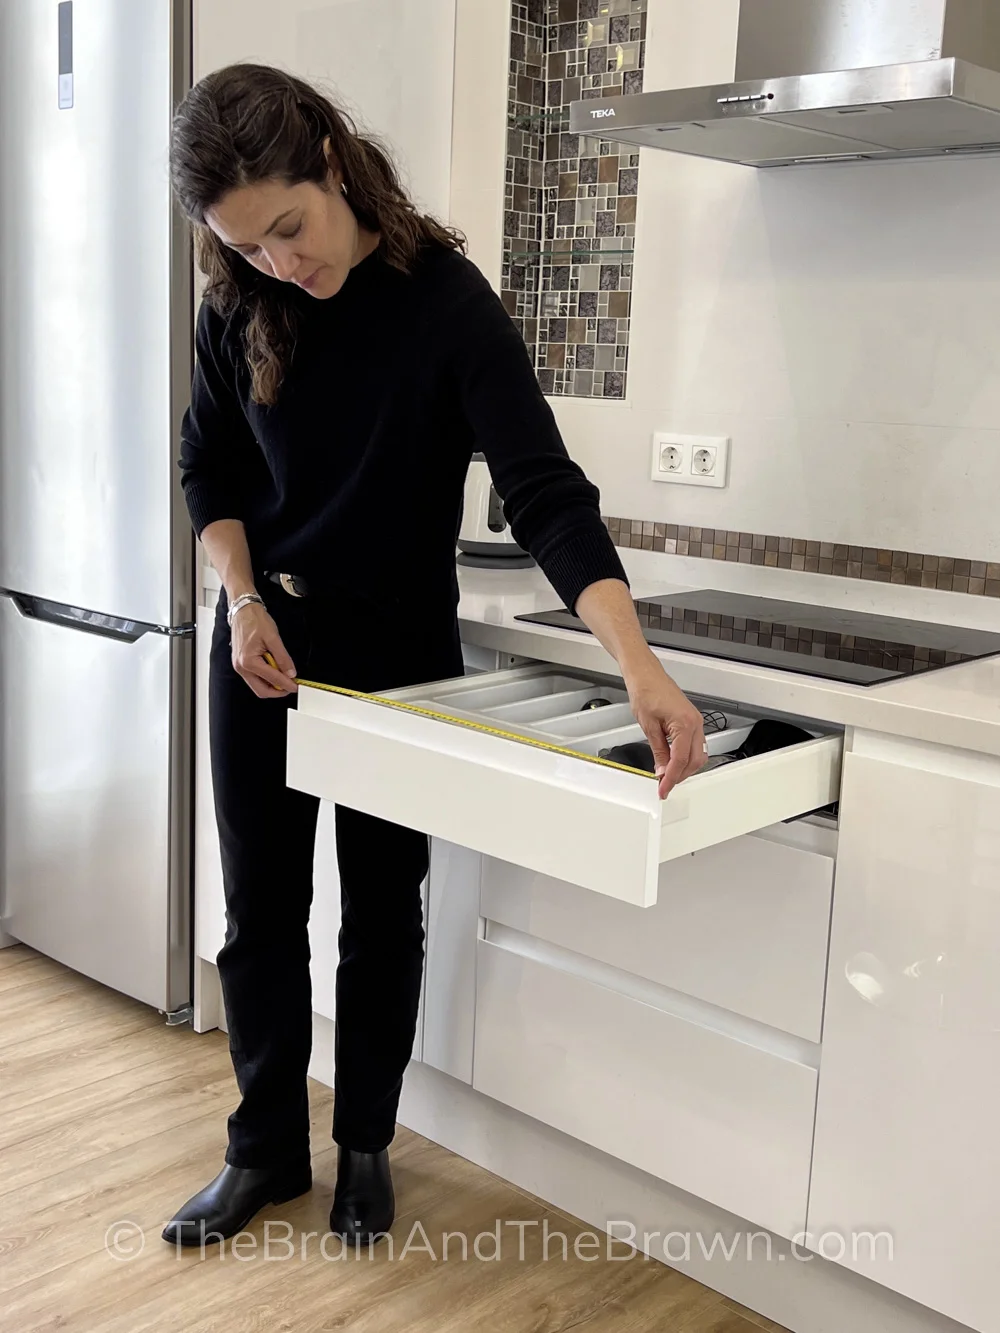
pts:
[658, 743]
[678, 747]
[260, 657]
[673, 726]
[278, 656]
[676, 769]
[281, 683]
[265, 682]
[261, 688]
[699, 752]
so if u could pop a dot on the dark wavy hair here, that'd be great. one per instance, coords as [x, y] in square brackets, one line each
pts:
[249, 123]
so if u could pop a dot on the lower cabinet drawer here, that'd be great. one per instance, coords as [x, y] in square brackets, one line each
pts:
[706, 1111]
[515, 764]
[744, 925]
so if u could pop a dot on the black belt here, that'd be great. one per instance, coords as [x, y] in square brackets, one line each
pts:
[294, 584]
[297, 586]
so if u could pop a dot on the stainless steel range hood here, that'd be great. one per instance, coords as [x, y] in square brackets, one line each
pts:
[830, 80]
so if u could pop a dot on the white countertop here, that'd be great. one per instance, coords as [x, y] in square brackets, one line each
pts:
[955, 706]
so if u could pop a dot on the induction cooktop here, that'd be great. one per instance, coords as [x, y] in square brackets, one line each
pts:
[850, 646]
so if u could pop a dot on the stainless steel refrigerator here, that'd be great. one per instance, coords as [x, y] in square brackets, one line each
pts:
[96, 553]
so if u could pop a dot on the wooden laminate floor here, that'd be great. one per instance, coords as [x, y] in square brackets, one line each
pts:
[109, 1120]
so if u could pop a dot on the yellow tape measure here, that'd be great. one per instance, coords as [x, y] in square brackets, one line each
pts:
[467, 723]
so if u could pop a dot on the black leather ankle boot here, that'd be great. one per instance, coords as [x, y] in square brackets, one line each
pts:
[228, 1203]
[364, 1204]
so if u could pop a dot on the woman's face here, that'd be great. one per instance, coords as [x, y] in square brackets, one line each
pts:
[296, 233]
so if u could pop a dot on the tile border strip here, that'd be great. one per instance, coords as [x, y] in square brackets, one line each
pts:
[876, 565]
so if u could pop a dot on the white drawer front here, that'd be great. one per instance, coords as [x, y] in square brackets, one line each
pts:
[744, 925]
[711, 1114]
[588, 824]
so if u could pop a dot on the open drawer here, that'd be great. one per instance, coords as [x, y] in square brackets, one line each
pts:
[522, 781]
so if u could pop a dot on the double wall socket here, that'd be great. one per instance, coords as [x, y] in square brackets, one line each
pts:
[690, 460]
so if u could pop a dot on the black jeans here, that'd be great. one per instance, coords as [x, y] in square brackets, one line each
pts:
[267, 835]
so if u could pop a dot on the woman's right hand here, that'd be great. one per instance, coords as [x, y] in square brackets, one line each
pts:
[254, 633]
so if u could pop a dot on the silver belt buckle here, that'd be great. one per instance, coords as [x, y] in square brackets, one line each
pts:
[287, 582]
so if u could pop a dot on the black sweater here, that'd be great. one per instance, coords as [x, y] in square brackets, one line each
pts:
[355, 477]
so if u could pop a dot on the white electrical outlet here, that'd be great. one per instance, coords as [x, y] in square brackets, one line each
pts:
[671, 458]
[690, 460]
[703, 460]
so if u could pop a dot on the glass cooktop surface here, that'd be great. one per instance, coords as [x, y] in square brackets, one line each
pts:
[851, 646]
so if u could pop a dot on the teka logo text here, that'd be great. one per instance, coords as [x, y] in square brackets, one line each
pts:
[603, 112]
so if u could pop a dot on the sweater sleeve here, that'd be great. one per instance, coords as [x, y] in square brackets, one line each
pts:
[551, 506]
[215, 433]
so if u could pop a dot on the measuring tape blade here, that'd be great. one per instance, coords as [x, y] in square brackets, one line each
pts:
[476, 726]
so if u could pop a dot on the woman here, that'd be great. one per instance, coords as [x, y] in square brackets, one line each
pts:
[350, 361]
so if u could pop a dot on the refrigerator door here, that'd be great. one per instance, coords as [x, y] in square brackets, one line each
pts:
[96, 796]
[95, 319]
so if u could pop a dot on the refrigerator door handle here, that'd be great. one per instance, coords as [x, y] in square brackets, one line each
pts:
[91, 622]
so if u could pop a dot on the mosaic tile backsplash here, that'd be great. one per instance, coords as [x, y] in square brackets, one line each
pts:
[570, 200]
[944, 573]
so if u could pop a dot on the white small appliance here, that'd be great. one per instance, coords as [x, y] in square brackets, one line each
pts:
[485, 540]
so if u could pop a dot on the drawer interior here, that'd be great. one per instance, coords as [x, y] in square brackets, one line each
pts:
[569, 709]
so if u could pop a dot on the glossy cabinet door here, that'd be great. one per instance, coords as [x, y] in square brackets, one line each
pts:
[324, 917]
[744, 926]
[907, 1140]
[451, 919]
[642, 1078]
[452, 924]
[209, 896]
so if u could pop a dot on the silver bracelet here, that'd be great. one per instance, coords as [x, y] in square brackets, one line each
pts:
[240, 602]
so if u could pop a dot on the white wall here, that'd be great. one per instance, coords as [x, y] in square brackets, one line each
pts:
[390, 63]
[842, 324]
[479, 142]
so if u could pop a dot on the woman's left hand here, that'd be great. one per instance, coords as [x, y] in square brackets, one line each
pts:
[674, 728]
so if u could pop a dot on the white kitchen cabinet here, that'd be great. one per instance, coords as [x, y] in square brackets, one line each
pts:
[909, 1088]
[210, 898]
[744, 926]
[451, 918]
[324, 918]
[682, 1038]
[452, 924]
[540, 798]
[708, 1110]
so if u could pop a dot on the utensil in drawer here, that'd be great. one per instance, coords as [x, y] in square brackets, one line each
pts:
[633, 754]
[714, 722]
[766, 735]
[591, 704]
